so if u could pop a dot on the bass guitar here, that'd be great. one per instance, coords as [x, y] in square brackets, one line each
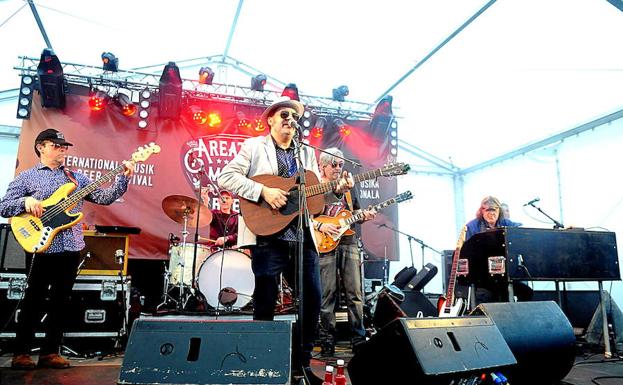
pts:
[35, 234]
[344, 219]
[264, 220]
[448, 306]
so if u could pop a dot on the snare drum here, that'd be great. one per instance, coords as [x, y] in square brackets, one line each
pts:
[176, 261]
[236, 275]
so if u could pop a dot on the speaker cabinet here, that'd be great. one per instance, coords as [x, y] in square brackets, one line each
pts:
[430, 351]
[539, 335]
[100, 253]
[198, 351]
[12, 256]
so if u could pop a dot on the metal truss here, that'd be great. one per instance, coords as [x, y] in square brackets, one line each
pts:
[92, 76]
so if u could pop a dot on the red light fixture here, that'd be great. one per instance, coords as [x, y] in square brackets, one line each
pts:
[318, 129]
[291, 91]
[342, 127]
[259, 126]
[125, 104]
[198, 115]
[98, 100]
[214, 119]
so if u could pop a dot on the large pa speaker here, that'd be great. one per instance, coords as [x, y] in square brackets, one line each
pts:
[539, 335]
[430, 351]
[199, 351]
[12, 256]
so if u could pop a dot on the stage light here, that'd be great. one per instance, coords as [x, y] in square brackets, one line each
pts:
[340, 93]
[24, 101]
[51, 81]
[110, 62]
[259, 125]
[206, 75]
[258, 82]
[124, 103]
[170, 92]
[318, 128]
[384, 107]
[198, 115]
[144, 104]
[291, 91]
[98, 100]
[214, 119]
[342, 127]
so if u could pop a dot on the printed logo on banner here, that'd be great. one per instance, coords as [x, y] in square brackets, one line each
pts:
[203, 159]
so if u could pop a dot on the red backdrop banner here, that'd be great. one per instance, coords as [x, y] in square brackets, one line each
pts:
[191, 156]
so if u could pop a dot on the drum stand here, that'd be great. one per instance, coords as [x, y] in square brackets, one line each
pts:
[180, 302]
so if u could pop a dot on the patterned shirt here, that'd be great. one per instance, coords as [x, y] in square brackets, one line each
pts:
[40, 182]
[286, 166]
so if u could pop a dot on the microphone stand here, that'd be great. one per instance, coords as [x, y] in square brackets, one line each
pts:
[557, 225]
[357, 164]
[193, 283]
[412, 238]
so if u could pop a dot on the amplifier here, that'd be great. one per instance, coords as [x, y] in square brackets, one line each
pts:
[96, 309]
[102, 251]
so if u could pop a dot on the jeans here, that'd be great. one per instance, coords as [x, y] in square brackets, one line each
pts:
[271, 257]
[52, 276]
[345, 261]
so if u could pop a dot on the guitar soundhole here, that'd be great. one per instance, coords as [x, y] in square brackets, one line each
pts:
[292, 205]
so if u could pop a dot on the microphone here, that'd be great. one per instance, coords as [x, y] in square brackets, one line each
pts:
[119, 254]
[294, 124]
[532, 202]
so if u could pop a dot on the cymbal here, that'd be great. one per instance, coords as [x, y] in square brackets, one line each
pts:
[180, 207]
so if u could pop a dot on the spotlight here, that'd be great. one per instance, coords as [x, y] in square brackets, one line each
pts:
[170, 91]
[198, 115]
[214, 119]
[98, 100]
[342, 127]
[339, 93]
[51, 81]
[206, 75]
[124, 102]
[291, 91]
[384, 107]
[110, 62]
[383, 116]
[24, 103]
[318, 128]
[144, 103]
[258, 82]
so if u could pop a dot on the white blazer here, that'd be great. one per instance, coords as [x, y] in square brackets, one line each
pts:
[257, 157]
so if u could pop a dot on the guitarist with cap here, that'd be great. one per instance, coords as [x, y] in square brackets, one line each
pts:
[53, 271]
[344, 258]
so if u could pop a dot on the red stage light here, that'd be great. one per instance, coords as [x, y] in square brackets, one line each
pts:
[98, 100]
[125, 104]
[291, 91]
[317, 132]
[342, 127]
[214, 119]
[244, 124]
[259, 126]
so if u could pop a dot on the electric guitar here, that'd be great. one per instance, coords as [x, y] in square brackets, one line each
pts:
[448, 306]
[262, 219]
[344, 219]
[35, 234]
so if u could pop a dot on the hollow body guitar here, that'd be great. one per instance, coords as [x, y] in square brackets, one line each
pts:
[35, 234]
[344, 219]
[264, 220]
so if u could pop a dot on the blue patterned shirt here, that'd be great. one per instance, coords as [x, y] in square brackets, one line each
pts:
[40, 182]
[286, 167]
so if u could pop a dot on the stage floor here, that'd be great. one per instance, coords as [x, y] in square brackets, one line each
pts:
[588, 370]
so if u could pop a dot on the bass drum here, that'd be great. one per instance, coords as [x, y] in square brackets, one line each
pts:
[235, 287]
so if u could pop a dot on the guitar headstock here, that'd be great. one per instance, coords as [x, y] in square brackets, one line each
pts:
[405, 196]
[394, 169]
[144, 152]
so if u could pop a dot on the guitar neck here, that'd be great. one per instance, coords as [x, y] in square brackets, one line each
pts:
[322, 188]
[455, 261]
[357, 216]
[78, 195]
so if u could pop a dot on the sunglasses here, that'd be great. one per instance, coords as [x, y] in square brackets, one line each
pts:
[335, 164]
[59, 146]
[285, 114]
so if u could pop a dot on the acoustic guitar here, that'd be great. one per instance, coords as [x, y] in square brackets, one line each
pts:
[344, 218]
[264, 220]
[35, 234]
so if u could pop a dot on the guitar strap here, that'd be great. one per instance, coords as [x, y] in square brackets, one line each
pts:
[70, 176]
[349, 201]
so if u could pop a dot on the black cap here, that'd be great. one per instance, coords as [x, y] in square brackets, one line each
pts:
[51, 135]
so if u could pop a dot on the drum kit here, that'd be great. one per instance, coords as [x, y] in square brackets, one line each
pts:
[221, 277]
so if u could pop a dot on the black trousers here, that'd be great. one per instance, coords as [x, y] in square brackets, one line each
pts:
[49, 288]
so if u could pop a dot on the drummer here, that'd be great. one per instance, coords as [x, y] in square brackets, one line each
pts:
[224, 225]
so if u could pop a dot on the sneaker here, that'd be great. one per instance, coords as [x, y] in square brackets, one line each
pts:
[22, 362]
[53, 361]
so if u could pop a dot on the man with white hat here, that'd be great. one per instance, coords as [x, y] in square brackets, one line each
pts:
[274, 155]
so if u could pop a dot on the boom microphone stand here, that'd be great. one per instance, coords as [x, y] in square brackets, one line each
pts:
[412, 238]
[557, 225]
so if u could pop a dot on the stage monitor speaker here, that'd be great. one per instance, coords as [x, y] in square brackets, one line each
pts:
[199, 351]
[12, 256]
[539, 335]
[404, 276]
[430, 351]
[428, 272]
[416, 305]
